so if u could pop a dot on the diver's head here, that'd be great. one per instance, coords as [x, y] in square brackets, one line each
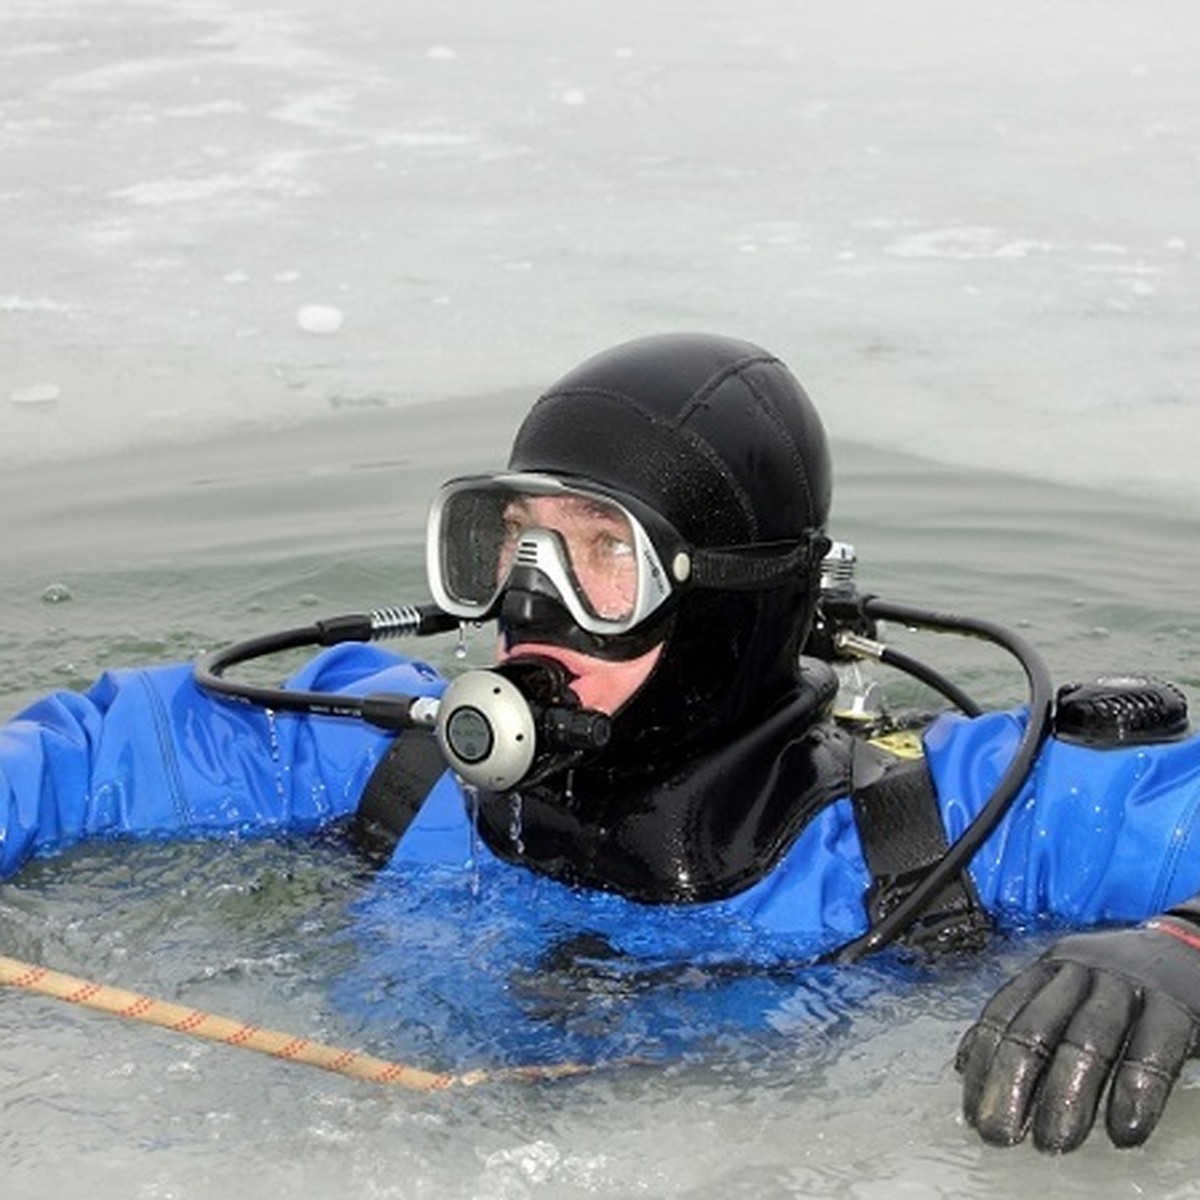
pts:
[659, 531]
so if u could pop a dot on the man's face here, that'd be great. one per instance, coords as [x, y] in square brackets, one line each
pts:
[600, 548]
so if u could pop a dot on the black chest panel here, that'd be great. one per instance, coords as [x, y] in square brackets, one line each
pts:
[711, 830]
[702, 834]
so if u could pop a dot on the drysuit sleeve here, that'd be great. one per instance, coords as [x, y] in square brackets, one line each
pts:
[1096, 836]
[146, 752]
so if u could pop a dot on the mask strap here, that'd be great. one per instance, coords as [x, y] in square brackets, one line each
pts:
[764, 564]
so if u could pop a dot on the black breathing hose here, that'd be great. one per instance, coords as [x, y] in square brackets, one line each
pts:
[396, 712]
[1041, 705]
[891, 657]
[386, 711]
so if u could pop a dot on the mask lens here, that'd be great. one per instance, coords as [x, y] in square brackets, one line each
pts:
[471, 541]
[594, 536]
[584, 547]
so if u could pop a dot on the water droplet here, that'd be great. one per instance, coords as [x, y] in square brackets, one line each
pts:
[276, 756]
[516, 822]
[472, 794]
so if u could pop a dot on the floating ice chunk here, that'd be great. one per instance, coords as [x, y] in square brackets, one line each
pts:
[14, 303]
[574, 97]
[320, 318]
[1019, 248]
[441, 53]
[36, 395]
[536, 1160]
[964, 242]
[181, 191]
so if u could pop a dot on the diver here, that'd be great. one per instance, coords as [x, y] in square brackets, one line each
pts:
[653, 557]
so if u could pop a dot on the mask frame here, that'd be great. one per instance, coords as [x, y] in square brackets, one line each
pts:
[666, 563]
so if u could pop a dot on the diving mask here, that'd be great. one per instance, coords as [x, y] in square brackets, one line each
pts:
[609, 560]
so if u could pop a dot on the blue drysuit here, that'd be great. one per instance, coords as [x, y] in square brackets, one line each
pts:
[1094, 836]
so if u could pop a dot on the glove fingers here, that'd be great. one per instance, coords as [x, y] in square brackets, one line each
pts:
[1001, 1087]
[978, 1045]
[1082, 1063]
[1161, 1041]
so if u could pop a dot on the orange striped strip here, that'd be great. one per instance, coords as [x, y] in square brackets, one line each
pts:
[190, 1023]
[291, 1049]
[1174, 929]
[351, 1063]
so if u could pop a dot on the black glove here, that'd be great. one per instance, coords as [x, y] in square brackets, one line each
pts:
[1119, 1008]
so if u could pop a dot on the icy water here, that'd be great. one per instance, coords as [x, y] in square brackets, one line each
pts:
[268, 274]
[853, 1095]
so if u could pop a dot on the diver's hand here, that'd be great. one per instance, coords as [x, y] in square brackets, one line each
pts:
[1119, 1008]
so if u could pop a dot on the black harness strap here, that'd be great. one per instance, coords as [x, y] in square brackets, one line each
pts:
[900, 828]
[397, 788]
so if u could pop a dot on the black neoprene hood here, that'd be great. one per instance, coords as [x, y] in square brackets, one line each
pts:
[717, 436]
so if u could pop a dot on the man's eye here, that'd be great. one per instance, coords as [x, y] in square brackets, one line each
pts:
[612, 545]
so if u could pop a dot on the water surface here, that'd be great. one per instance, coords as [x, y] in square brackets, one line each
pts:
[268, 274]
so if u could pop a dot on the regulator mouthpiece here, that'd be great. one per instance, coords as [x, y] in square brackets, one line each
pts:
[514, 724]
